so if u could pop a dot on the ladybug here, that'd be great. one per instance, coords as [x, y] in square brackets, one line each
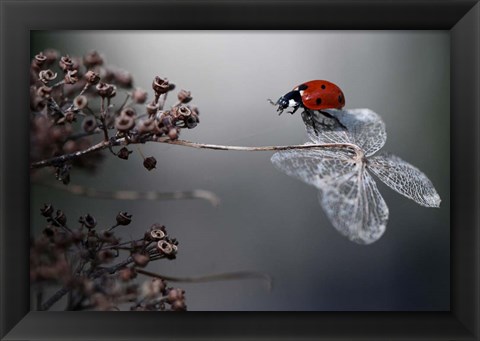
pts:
[312, 95]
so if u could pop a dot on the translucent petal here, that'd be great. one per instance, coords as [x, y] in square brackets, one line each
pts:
[362, 127]
[405, 179]
[355, 207]
[315, 167]
[348, 193]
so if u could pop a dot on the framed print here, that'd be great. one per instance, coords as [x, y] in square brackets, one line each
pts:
[195, 204]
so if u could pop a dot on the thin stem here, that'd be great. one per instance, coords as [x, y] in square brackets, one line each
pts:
[84, 134]
[103, 116]
[54, 298]
[122, 141]
[39, 297]
[85, 88]
[63, 291]
[62, 82]
[263, 148]
[210, 278]
[68, 157]
[124, 103]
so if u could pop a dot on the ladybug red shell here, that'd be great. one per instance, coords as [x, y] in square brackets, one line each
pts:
[313, 95]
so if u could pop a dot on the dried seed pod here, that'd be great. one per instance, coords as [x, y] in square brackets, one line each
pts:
[139, 96]
[80, 102]
[128, 111]
[124, 153]
[60, 218]
[150, 163]
[47, 75]
[184, 96]
[47, 210]
[44, 92]
[92, 58]
[175, 295]
[88, 221]
[39, 59]
[126, 274]
[123, 78]
[181, 111]
[155, 234]
[92, 77]
[158, 285]
[152, 109]
[179, 305]
[160, 85]
[191, 122]
[123, 218]
[124, 123]
[158, 226]
[173, 134]
[141, 259]
[69, 117]
[105, 256]
[71, 77]
[52, 56]
[165, 247]
[106, 90]
[147, 126]
[66, 63]
[89, 124]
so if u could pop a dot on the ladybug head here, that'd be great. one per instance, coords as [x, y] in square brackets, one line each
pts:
[292, 99]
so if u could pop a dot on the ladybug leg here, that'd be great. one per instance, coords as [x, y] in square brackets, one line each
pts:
[307, 117]
[294, 109]
[327, 114]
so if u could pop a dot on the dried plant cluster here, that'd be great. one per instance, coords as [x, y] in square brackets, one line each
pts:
[72, 108]
[96, 269]
[72, 99]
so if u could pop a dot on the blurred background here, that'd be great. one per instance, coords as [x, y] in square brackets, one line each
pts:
[267, 221]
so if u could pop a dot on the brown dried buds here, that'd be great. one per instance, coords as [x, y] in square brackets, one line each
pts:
[123, 218]
[150, 163]
[71, 77]
[66, 63]
[160, 85]
[139, 96]
[92, 77]
[124, 153]
[126, 120]
[184, 96]
[105, 90]
[92, 59]
[46, 76]
[89, 124]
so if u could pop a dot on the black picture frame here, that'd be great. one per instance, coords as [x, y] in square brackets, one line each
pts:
[462, 18]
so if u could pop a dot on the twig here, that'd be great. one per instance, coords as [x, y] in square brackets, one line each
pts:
[136, 195]
[210, 278]
[98, 272]
[122, 141]
[54, 298]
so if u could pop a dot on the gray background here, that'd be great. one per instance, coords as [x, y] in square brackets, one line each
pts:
[268, 221]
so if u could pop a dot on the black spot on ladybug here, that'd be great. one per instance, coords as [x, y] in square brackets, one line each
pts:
[318, 101]
[323, 86]
[302, 87]
[340, 99]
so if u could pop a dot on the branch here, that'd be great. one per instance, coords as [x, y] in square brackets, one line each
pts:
[122, 141]
[210, 278]
[135, 195]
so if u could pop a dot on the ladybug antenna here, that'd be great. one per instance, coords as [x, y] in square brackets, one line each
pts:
[279, 109]
[272, 102]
